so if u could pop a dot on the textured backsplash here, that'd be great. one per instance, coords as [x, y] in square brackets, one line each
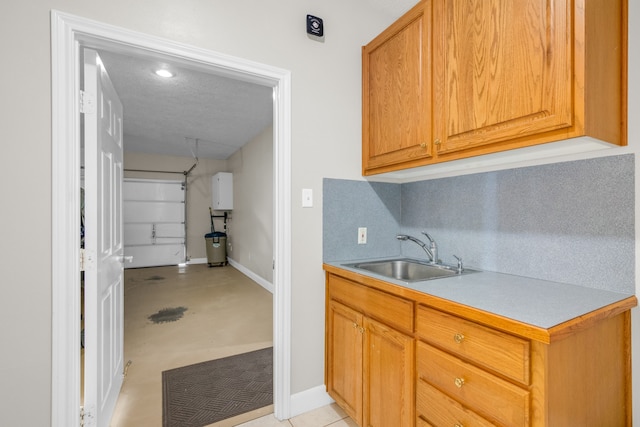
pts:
[347, 205]
[569, 222]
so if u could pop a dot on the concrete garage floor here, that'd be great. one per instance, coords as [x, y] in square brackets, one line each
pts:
[178, 316]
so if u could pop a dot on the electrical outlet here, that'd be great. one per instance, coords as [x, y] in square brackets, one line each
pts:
[362, 235]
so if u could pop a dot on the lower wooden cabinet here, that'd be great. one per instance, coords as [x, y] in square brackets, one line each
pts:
[401, 358]
[488, 348]
[469, 387]
[443, 410]
[344, 358]
[387, 376]
[369, 366]
[470, 374]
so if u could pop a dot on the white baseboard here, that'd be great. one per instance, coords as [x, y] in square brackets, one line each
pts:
[251, 275]
[309, 400]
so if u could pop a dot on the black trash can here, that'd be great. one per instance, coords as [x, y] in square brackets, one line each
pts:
[216, 248]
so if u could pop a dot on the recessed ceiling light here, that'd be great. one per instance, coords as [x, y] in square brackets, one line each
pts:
[164, 73]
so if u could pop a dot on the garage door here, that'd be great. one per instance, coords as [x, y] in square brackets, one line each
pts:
[154, 222]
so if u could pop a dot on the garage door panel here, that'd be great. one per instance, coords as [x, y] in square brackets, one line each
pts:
[155, 255]
[137, 234]
[143, 234]
[154, 222]
[149, 212]
[164, 231]
[152, 191]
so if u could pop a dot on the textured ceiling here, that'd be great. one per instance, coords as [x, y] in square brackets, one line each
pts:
[192, 113]
[195, 113]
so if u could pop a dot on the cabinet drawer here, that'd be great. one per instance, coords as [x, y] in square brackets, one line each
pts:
[486, 394]
[391, 310]
[500, 352]
[441, 410]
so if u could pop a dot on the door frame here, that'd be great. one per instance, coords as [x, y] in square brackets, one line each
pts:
[68, 34]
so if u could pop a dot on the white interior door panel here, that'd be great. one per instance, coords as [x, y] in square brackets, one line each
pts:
[104, 274]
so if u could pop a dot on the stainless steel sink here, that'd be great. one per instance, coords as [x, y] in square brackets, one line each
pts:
[409, 270]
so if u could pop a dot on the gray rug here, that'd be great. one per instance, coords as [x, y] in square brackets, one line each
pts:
[208, 392]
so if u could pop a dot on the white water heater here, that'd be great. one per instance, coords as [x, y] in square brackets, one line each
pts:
[222, 191]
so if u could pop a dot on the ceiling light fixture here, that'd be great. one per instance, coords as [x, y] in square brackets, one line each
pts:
[164, 73]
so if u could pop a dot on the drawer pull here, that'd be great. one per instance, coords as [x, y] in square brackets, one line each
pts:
[459, 382]
[458, 338]
[458, 425]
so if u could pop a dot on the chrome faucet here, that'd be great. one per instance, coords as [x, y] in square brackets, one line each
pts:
[432, 250]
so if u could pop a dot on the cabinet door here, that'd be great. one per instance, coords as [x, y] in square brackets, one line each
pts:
[344, 358]
[502, 70]
[396, 93]
[388, 376]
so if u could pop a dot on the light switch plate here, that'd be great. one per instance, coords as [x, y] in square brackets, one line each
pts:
[307, 198]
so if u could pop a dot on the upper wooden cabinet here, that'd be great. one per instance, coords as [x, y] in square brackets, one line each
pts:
[498, 75]
[396, 88]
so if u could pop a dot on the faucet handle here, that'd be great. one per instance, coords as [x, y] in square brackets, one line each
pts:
[460, 267]
[428, 237]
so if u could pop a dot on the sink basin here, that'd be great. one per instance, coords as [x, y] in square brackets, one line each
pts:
[408, 270]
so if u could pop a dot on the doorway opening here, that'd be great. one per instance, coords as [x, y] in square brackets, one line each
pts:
[68, 33]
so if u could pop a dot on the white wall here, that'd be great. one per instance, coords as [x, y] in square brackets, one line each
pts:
[325, 141]
[250, 236]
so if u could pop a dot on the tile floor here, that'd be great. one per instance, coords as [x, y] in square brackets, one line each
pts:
[226, 314]
[326, 416]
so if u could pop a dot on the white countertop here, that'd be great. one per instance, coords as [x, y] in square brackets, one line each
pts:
[536, 302]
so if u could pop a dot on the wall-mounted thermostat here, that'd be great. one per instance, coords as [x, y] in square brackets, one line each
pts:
[315, 26]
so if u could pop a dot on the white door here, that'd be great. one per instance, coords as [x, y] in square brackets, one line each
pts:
[104, 272]
[154, 222]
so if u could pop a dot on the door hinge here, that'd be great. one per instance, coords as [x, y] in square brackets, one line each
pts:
[87, 260]
[87, 102]
[86, 417]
